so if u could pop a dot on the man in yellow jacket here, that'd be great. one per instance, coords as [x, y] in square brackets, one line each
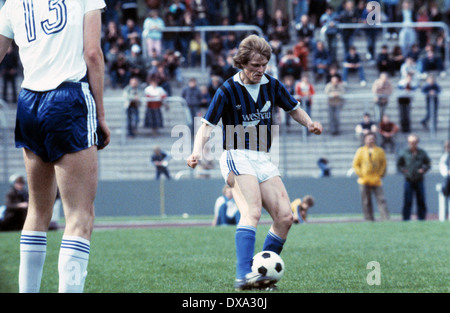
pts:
[369, 164]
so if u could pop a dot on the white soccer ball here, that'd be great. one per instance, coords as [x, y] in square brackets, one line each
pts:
[268, 264]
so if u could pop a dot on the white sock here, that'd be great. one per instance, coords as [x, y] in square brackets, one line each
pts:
[33, 247]
[72, 264]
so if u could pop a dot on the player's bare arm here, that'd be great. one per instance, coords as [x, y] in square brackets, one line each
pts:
[202, 136]
[303, 118]
[93, 56]
[4, 45]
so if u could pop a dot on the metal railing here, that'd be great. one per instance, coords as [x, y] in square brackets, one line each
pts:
[207, 29]
[389, 25]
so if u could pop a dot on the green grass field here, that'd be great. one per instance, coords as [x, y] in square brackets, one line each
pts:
[330, 258]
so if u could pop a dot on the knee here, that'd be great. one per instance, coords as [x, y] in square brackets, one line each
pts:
[286, 220]
[80, 225]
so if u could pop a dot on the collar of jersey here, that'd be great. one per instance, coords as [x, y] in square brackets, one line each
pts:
[237, 79]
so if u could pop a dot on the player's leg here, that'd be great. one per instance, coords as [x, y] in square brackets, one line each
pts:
[246, 194]
[33, 240]
[76, 174]
[275, 200]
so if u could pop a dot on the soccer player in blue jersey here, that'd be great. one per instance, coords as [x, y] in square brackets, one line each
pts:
[60, 124]
[246, 104]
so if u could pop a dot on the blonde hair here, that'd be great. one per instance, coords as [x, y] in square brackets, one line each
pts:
[249, 47]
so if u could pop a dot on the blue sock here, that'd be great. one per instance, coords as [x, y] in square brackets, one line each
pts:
[245, 248]
[273, 243]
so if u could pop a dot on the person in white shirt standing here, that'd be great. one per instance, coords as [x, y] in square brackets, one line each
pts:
[60, 125]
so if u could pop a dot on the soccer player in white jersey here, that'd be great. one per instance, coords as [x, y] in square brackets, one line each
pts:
[245, 103]
[60, 125]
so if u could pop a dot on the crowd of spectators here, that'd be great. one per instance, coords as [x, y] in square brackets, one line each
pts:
[304, 39]
[304, 43]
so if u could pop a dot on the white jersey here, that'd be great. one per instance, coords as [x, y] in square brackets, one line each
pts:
[49, 35]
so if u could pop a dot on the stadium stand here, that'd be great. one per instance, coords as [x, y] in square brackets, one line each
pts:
[129, 158]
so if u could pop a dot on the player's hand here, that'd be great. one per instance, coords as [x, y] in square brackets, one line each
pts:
[106, 133]
[315, 128]
[192, 161]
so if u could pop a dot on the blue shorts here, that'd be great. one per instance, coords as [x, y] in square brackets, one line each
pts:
[56, 122]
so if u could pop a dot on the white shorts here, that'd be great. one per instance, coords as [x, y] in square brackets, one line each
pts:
[248, 162]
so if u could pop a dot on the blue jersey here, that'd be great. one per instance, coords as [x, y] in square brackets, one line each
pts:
[247, 111]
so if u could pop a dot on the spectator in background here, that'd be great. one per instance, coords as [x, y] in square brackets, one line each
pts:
[414, 52]
[120, 71]
[9, 68]
[111, 36]
[397, 57]
[305, 32]
[131, 33]
[214, 11]
[410, 67]
[152, 33]
[196, 46]
[300, 208]
[382, 89]
[280, 27]
[423, 33]
[414, 163]
[407, 36]
[333, 71]
[387, 130]
[132, 96]
[407, 87]
[200, 12]
[129, 9]
[335, 92]
[431, 63]
[364, 127]
[155, 96]
[301, 7]
[369, 164]
[304, 90]
[205, 97]
[330, 20]
[193, 97]
[301, 51]
[225, 209]
[215, 49]
[290, 65]
[177, 8]
[160, 159]
[172, 62]
[325, 170]
[112, 13]
[384, 61]
[230, 42]
[161, 73]
[431, 89]
[348, 15]
[390, 8]
[137, 63]
[16, 206]
[289, 83]
[262, 21]
[353, 63]
[169, 38]
[321, 60]
[214, 84]
[184, 38]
